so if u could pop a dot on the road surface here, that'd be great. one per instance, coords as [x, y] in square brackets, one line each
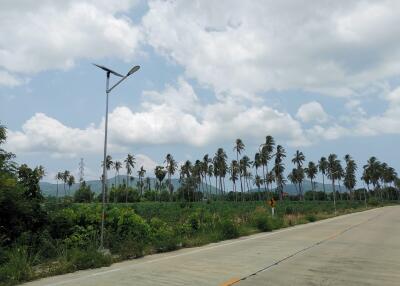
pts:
[357, 249]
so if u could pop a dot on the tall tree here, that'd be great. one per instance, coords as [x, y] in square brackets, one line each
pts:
[160, 175]
[171, 167]
[65, 177]
[117, 167]
[129, 165]
[205, 171]
[266, 154]
[350, 180]
[239, 147]
[141, 174]
[279, 169]
[71, 181]
[298, 160]
[333, 173]
[323, 167]
[311, 172]
[234, 171]
[58, 177]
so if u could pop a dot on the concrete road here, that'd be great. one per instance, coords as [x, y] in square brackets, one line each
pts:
[356, 249]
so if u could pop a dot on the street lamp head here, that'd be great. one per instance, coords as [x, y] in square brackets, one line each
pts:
[134, 69]
[108, 70]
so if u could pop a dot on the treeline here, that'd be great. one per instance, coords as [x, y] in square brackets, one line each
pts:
[259, 178]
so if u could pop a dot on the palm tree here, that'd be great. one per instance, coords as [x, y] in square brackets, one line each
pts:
[141, 174]
[234, 171]
[71, 181]
[279, 168]
[117, 167]
[171, 168]
[332, 173]
[239, 147]
[270, 178]
[350, 180]
[244, 165]
[65, 176]
[222, 167]
[311, 172]
[298, 159]
[129, 165]
[205, 171]
[210, 173]
[160, 175]
[323, 167]
[59, 176]
[266, 154]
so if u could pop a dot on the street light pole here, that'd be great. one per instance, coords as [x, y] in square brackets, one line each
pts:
[104, 177]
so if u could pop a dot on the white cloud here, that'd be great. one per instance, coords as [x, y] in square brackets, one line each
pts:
[37, 36]
[312, 112]
[173, 116]
[243, 47]
[7, 79]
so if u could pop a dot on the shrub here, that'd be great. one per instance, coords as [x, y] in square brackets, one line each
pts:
[262, 220]
[162, 236]
[229, 229]
[311, 217]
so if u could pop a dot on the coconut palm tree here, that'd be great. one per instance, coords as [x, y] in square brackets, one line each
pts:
[350, 180]
[65, 177]
[129, 165]
[234, 171]
[171, 167]
[270, 178]
[141, 174]
[205, 171]
[279, 169]
[311, 172]
[117, 166]
[160, 175]
[239, 147]
[323, 167]
[222, 167]
[244, 165]
[266, 154]
[210, 173]
[332, 173]
[70, 182]
[58, 177]
[298, 160]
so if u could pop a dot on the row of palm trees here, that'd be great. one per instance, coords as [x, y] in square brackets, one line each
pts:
[265, 173]
[67, 178]
[265, 170]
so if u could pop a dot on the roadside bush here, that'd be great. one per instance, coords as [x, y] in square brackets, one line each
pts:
[131, 234]
[229, 229]
[163, 237]
[262, 220]
[311, 217]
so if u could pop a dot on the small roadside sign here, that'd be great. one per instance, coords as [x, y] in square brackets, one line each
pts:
[272, 203]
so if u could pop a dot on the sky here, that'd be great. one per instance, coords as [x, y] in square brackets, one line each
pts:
[319, 76]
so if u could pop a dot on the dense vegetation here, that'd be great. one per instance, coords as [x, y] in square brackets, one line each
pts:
[46, 236]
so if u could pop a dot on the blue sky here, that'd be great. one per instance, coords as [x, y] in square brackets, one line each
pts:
[322, 79]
